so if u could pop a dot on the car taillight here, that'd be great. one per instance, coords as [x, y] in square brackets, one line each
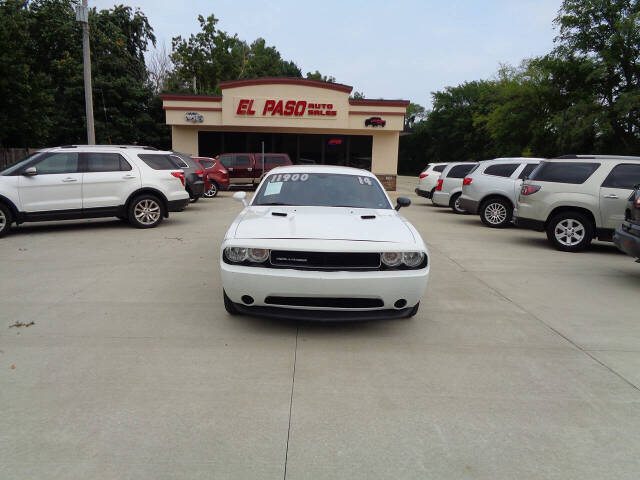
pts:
[439, 186]
[529, 189]
[638, 202]
[467, 181]
[179, 175]
[200, 172]
[422, 175]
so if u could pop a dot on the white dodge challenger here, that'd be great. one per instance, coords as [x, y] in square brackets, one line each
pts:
[322, 243]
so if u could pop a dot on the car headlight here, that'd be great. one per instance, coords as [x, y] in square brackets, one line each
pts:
[236, 254]
[403, 259]
[391, 259]
[412, 259]
[258, 255]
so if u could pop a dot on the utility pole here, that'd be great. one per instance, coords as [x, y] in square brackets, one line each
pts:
[82, 16]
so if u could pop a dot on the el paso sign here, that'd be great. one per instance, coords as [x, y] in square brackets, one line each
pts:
[281, 107]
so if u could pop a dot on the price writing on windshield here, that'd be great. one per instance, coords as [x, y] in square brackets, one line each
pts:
[289, 177]
[364, 181]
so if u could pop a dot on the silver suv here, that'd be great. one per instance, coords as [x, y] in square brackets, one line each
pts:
[576, 198]
[492, 187]
[449, 186]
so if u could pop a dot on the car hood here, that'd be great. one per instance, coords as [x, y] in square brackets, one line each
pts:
[324, 223]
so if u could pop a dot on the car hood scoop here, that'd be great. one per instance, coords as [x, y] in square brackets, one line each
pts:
[324, 223]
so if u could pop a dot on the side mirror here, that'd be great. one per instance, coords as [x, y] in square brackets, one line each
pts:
[30, 172]
[241, 197]
[402, 202]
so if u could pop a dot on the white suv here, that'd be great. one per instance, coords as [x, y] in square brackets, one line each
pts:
[138, 184]
[577, 197]
[449, 186]
[429, 179]
[492, 187]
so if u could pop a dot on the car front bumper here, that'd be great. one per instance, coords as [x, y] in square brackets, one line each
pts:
[259, 283]
[441, 199]
[627, 239]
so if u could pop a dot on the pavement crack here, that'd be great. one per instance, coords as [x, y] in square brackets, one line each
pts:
[293, 382]
[547, 325]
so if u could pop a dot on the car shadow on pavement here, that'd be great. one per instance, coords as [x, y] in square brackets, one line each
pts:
[68, 226]
[597, 247]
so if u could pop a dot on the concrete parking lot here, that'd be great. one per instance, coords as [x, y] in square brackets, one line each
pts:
[523, 362]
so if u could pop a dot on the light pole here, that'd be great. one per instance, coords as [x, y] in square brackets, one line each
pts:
[82, 15]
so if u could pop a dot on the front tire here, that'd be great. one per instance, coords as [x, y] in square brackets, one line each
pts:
[229, 306]
[213, 190]
[6, 219]
[454, 203]
[145, 211]
[496, 213]
[570, 231]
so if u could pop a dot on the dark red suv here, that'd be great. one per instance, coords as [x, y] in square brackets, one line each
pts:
[216, 177]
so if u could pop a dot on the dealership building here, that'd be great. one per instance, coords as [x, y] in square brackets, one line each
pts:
[312, 121]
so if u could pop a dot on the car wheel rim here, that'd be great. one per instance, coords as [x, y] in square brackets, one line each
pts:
[211, 192]
[570, 232]
[3, 220]
[495, 213]
[147, 212]
[457, 206]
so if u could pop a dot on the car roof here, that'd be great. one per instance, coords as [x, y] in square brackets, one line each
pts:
[455, 164]
[511, 160]
[107, 148]
[321, 169]
[595, 157]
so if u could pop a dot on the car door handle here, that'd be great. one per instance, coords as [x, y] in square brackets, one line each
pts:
[611, 195]
[230, 169]
[69, 179]
[129, 176]
[249, 169]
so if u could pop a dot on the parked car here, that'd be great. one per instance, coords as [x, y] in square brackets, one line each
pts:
[322, 243]
[627, 237]
[138, 184]
[576, 198]
[429, 179]
[193, 175]
[449, 186]
[216, 177]
[247, 168]
[492, 187]
[375, 122]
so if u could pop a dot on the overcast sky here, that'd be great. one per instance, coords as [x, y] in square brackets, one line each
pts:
[384, 48]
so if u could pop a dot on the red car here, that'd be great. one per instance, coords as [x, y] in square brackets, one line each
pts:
[375, 122]
[216, 177]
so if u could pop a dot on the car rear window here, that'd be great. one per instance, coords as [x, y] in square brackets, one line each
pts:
[158, 162]
[207, 163]
[459, 171]
[274, 159]
[564, 172]
[501, 170]
[439, 168]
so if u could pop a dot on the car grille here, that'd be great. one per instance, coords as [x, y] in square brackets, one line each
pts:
[325, 302]
[325, 260]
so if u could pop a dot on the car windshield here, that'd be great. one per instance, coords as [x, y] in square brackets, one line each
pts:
[321, 190]
[14, 168]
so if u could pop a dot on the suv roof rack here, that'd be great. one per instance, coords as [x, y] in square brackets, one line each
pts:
[142, 147]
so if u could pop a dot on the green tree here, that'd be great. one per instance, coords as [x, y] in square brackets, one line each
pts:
[415, 114]
[608, 34]
[321, 78]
